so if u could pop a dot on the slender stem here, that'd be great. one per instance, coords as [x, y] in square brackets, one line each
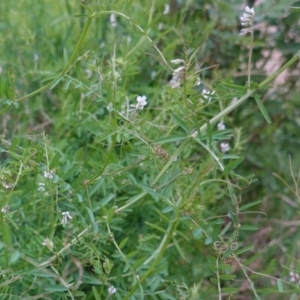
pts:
[77, 47]
[165, 242]
[218, 279]
[250, 56]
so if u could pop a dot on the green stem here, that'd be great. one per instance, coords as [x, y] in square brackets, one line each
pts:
[165, 242]
[250, 57]
[79, 43]
[249, 93]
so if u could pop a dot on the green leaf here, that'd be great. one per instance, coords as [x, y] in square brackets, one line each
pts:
[56, 82]
[14, 257]
[213, 280]
[208, 241]
[90, 214]
[224, 230]
[177, 246]
[249, 227]
[295, 9]
[226, 83]
[123, 243]
[197, 233]
[169, 139]
[280, 285]
[246, 206]
[227, 277]
[107, 199]
[243, 250]
[270, 268]
[252, 258]
[232, 165]
[181, 123]
[262, 109]
[167, 209]
[156, 227]
[96, 294]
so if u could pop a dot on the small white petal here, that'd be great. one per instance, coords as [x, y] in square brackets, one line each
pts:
[112, 290]
[250, 10]
[166, 9]
[177, 61]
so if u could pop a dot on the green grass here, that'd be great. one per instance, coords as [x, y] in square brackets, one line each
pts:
[102, 197]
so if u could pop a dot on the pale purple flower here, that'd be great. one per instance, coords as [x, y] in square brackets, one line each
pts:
[112, 290]
[294, 277]
[66, 216]
[166, 9]
[221, 126]
[113, 20]
[41, 187]
[247, 20]
[49, 174]
[7, 185]
[48, 243]
[141, 102]
[5, 209]
[224, 147]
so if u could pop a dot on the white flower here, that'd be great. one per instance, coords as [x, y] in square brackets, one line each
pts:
[66, 215]
[224, 147]
[48, 243]
[206, 94]
[35, 57]
[112, 290]
[166, 9]
[41, 187]
[141, 102]
[177, 77]
[294, 277]
[247, 20]
[113, 20]
[109, 107]
[221, 126]
[160, 26]
[177, 61]
[249, 10]
[49, 174]
[7, 185]
[5, 209]
[89, 73]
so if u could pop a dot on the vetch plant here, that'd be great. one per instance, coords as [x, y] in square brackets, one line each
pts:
[163, 205]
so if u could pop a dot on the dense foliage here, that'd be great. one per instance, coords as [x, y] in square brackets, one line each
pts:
[149, 149]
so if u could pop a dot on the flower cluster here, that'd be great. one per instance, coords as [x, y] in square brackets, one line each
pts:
[178, 74]
[247, 20]
[207, 95]
[49, 174]
[294, 277]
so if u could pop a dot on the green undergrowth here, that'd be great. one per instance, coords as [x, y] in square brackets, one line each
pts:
[144, 155]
